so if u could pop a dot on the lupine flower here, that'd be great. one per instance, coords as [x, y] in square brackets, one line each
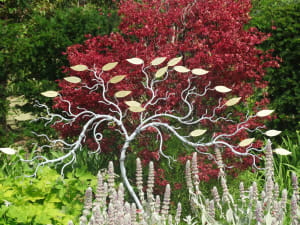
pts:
[111, 177]
[295, 185]
[100, 189]
[188, 175]
[157, 204]
[276, 191]
[216, 195]
[195, 170]
[259, 212]
[133, 213]
[166, 202]
[294, 208]
[212, 209]
[88, 201]
[242, 192]
[178, 213]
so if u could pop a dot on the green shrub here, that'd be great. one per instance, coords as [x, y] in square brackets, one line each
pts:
[40, 51]
[282, 20]
[45, 200]
[31, 56]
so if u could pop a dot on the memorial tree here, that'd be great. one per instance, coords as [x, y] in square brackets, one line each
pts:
[133, 116]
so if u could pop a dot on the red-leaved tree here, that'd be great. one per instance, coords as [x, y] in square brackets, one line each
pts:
[207, 34]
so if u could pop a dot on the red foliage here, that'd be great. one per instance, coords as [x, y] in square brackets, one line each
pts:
[208, 34]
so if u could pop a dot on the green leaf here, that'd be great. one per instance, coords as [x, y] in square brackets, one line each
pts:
[44, 218]
[3, 210]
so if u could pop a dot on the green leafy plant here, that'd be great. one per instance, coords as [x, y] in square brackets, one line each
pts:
[48, 199]
[285, 165]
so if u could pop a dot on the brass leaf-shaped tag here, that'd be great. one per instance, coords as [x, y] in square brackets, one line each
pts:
[109, 66]
[158, 61]
[197, 132]
[199, 71]
[233, 101]
[272, 133]
[222, 89]
[135, 61]
[50, 94]
[136, 109]
[174, 61]
[282, 151]
[159, 73]
[73, 79]
[79, 68]
[133, 103]
[117, 79]
[122, 94]
[181, 69]
[265, 112]
[8, 151]
[246, 142]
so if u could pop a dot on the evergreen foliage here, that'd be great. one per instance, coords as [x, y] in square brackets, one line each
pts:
[282, 20]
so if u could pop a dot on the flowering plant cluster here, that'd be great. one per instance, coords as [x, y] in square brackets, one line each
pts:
[267, 207]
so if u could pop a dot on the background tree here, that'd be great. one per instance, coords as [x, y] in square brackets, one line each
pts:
[34, 35]
[281, 20]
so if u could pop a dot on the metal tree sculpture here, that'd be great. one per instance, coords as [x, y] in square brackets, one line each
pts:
[155, 120]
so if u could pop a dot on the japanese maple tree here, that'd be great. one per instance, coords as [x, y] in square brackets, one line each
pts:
[206, 34]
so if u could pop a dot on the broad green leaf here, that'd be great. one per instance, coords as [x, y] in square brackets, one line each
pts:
[272, 133]
[109, 66]
[53, 198]
[158, 61]
[233, 101]
[50, 94]
[161, 72]
[282, 151]
[199, 72]
[174, 61]
[246, 142]
[43, 218]
[135, 61]
[133, 103]
[79, 68]
[222, 89]
[3, 210]
[73, 79]
[117, 79]
[136, 109]
[197, 132]
[122, 94]
[8, 151]
[265, 112]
